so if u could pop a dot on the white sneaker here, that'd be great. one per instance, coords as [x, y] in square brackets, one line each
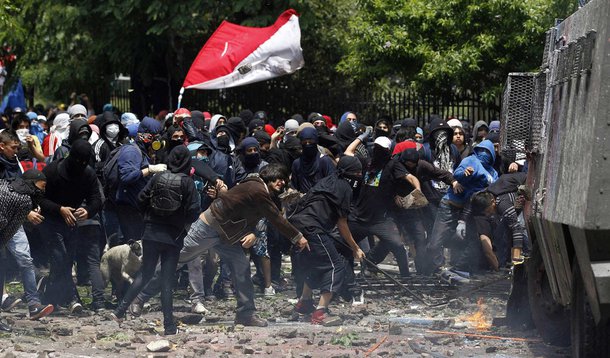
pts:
[269, 291]
[75, 308]
[199, 308]
[357, 301]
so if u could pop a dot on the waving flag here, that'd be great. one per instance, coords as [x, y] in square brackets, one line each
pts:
[237, 55]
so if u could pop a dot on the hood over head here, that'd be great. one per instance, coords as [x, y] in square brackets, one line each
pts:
[486, 153]
[179, 160]
[214, 121]
[198, 119]
[477, 126]
[77, 127]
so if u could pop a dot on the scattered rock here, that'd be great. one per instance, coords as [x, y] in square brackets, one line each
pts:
[214, 340]
[137, 339]
[248, 350]
[122, 344]
[271, 342]
[162, 345]
[287, 332]
[491, 349]
[62, 331]
[243, 338]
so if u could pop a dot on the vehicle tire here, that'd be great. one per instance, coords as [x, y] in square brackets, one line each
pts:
[550, 318]
[588, 339]
[518, 313]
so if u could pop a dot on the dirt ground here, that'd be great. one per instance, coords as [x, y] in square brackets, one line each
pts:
[390, 323]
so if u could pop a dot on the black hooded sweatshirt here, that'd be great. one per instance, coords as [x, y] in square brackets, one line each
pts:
[172, 229]
[75, 127]
[70, 183]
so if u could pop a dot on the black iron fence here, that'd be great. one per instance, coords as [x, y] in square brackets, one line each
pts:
[281, 99]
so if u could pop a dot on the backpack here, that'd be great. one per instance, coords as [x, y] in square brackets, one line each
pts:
[110, 174]
[166, 194]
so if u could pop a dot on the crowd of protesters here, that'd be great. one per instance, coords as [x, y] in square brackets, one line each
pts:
[205, 194]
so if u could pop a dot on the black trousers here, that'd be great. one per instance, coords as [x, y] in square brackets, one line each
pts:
[90, 239]
[389, 240]
[131, 222]
[412, 228]
[152, 251]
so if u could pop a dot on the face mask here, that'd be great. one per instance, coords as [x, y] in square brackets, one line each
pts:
[310, 151]
[204, 159]
[252, 160]
[223, 141]
[380, 155]
[22, 134]
[174, 143]
[381, 133]
[112, 131]
[352, 180]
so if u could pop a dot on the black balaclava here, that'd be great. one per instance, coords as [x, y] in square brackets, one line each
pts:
[173, 143]
[311, 155]
[350, 169]
[179, 160]
[78, 158]
[382, 133]
[381, 156]
[250, 160]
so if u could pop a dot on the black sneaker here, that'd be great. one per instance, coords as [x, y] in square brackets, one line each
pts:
[39, 311]
[9, 303]
[136, 307]
[4, 327]
[98, 306]
[170, 331]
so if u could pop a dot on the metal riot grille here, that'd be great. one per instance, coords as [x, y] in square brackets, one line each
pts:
[536, 126]
[516, 113]
[550, 38]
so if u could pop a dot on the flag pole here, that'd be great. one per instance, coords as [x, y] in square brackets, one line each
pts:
[180, 97]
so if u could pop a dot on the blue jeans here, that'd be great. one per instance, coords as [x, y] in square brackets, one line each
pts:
[443, 230]
[19, 247]
[200, 238]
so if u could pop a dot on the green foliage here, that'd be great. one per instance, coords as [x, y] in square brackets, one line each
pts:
[440, 44]
[344, 340]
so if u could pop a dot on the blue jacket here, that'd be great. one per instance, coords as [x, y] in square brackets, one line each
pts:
[130, 163]
[484, 174]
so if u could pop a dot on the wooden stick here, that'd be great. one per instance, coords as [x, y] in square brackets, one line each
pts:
[484, 336]
[372, 349]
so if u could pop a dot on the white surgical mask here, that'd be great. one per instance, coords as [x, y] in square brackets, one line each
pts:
[112, 131]
[22, 134]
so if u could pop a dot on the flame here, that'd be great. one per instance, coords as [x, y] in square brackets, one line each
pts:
[479, 319]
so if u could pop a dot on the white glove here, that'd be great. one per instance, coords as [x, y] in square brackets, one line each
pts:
[461, 229]
[157, 168]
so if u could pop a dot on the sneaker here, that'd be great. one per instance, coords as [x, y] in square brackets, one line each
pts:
[305, 307]
[170, 331]
[4, 327]
[251, 321]
[38, 311]
[9, 303]
[358, 300]
[75, 308]
[116, 317]
[136, 307]
[98, 307]
[199, 308]
[269, 291]
[323, 317]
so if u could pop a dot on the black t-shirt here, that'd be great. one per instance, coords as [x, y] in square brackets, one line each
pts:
[377, 192]
[322, 206]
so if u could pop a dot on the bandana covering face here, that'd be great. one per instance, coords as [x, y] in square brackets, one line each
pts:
[443, 157]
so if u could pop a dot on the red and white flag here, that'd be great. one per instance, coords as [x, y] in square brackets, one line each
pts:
[237, 55]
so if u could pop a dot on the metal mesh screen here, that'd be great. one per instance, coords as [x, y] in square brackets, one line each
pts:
[536, 125]
[516, 116]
